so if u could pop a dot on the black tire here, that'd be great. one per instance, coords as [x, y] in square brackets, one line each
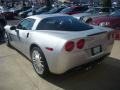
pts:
[7, 40]
[39, 62]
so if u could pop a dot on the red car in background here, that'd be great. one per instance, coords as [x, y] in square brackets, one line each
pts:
[74, 10]
[111, 21]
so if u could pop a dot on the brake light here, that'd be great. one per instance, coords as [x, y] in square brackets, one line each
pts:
[80, 44]
[69, 46]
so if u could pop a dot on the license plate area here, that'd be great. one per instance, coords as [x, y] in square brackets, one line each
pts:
[96, 50]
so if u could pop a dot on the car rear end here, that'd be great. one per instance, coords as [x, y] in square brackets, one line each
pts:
[70, 43]
[82, 50]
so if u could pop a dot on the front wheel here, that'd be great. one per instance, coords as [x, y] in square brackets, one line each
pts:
[39, 61]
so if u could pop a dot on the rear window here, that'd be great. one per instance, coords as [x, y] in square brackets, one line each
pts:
[116, 13]
[62, 23]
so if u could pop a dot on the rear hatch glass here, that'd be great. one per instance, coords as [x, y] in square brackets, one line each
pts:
[63, 23]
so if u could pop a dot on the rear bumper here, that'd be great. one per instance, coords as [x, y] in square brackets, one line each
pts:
[69, 61]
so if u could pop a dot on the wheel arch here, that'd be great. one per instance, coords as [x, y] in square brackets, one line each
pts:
[36, 45]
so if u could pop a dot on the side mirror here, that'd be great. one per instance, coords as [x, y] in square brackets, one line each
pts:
[13, 28]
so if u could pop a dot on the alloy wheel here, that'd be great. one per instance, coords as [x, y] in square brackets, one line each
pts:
[38, 63]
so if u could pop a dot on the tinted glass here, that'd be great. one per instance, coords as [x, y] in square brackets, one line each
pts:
[55, 10]
[62, 23]
[80, 9]
[40, 9]
[26, 24]
[90, 11]
[77, 9]
[116, 13]
[66, 10]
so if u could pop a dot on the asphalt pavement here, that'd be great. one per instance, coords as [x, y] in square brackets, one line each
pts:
[17, 73]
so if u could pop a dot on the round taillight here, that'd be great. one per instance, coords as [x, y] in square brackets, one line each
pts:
[80, 43]
[69, 46]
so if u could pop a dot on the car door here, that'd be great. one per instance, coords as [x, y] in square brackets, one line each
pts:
[23, 32]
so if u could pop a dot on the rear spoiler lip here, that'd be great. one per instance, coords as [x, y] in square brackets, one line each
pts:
[97, 33]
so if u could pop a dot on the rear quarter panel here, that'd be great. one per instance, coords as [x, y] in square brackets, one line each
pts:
[44, 40]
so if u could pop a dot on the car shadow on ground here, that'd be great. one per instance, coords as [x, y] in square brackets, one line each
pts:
[105, 76]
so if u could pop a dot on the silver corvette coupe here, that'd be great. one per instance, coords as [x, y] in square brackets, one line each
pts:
[56, 43]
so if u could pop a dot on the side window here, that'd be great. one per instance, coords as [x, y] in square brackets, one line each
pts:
[26, 24]
[47, 24]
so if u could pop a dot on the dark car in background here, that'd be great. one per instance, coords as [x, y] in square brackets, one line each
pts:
[74, 10]
[41, 10]
[6, 13]
[23, 14]
[16, 10]
[56, 9]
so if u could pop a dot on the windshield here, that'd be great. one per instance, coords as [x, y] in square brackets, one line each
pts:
[40, 9]
[116, 13]
[62, 23]
[66, 10]
[55, 10]
[89, 11]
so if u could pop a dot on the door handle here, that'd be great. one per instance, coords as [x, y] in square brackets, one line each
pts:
[27, 35]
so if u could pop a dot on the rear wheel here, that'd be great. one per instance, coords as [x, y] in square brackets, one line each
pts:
[39, 61]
